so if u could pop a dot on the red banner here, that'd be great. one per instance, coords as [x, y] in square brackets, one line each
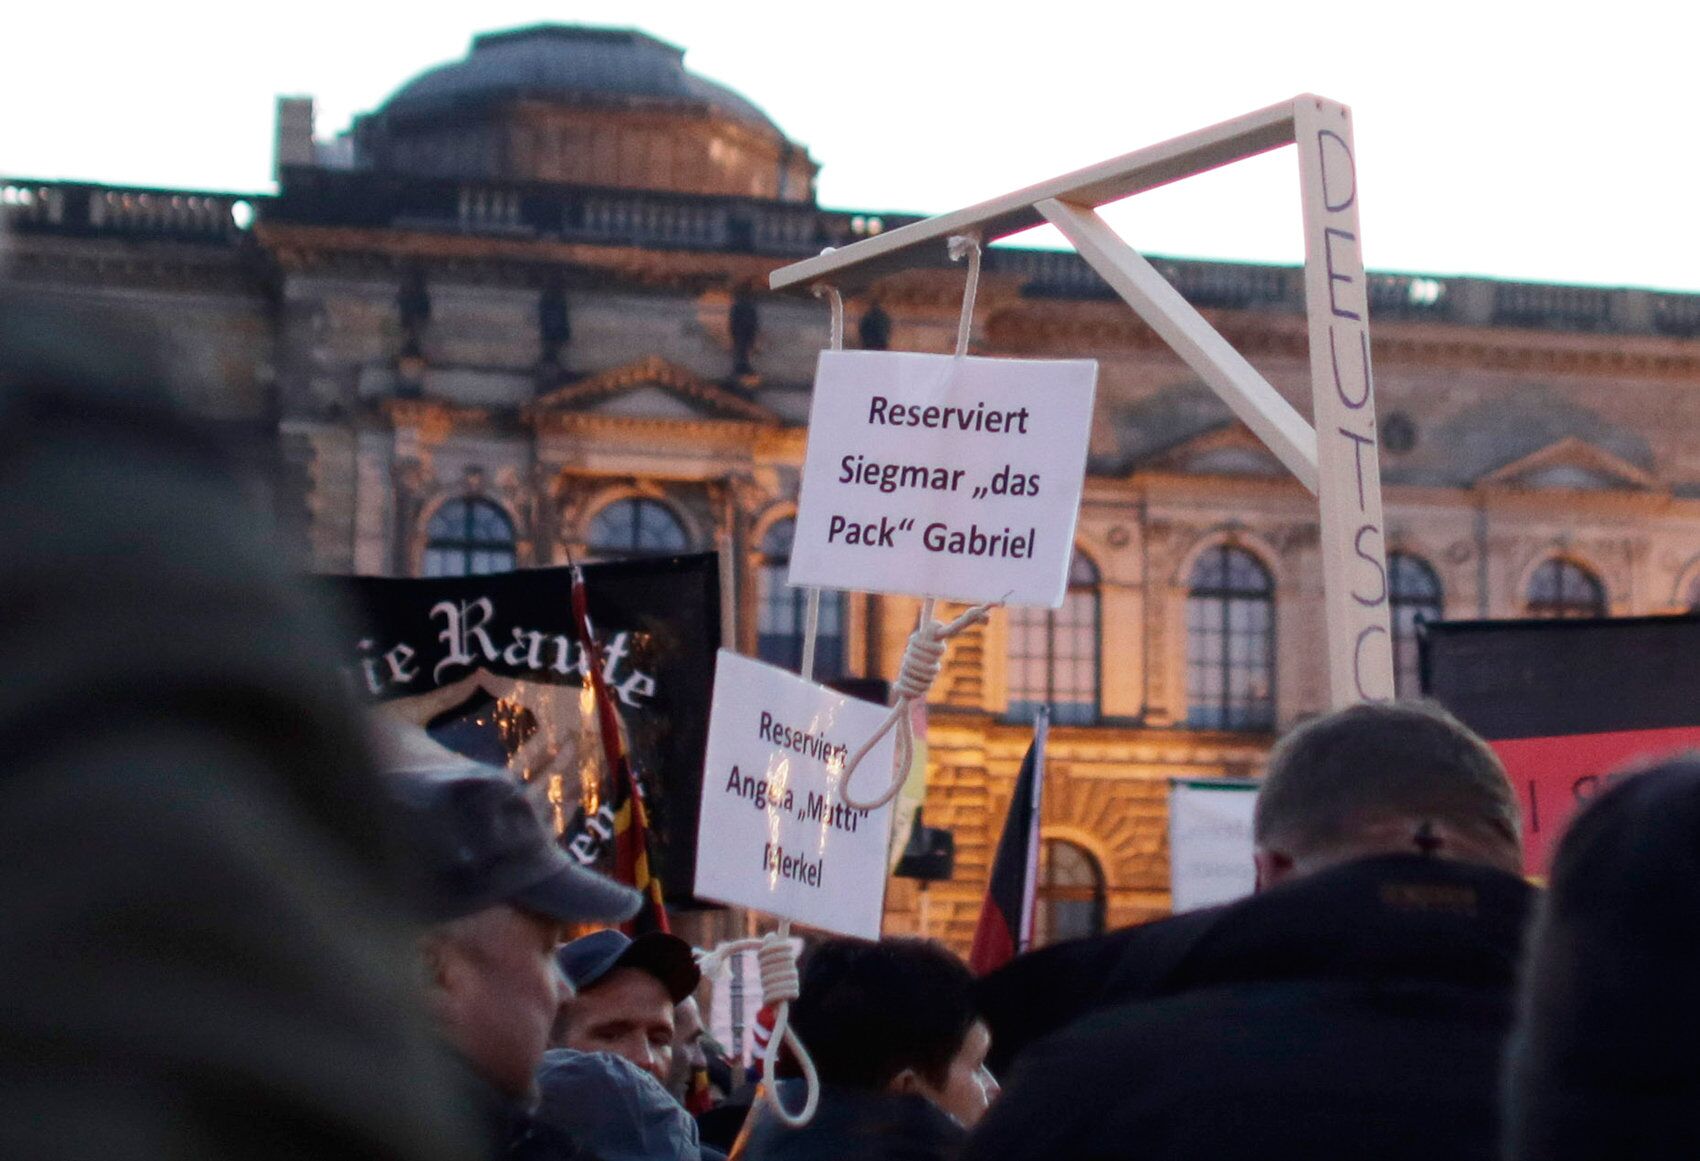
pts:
[1554, 777]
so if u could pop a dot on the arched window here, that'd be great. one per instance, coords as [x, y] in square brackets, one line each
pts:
[635, 527]
[1053, 653]
[1413, 596]
[1562, 589]
[1230, 642]
[779, 634]
[468, 537]
[1069, 902]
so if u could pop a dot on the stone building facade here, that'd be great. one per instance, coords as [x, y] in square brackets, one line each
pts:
[520, 312]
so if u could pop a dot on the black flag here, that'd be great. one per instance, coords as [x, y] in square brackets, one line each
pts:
[1566, 703]
[495, 668]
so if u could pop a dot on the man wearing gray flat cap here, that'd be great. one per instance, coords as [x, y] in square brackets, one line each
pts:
[496, 891]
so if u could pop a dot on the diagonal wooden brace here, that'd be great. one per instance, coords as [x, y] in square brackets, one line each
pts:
[1259, 406]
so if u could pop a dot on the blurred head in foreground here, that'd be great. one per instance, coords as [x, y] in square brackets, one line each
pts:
[896, 1016]
[1602, 1060]
[1382, 779]
[199, 875]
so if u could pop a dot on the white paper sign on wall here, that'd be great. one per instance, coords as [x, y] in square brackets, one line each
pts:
[1210, 843]
[939, 476]
[774, 833]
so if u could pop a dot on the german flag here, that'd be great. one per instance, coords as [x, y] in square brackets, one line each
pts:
[1005, 929]
[631, 819]
[1567, 704]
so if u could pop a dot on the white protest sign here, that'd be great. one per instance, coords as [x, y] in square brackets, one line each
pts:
[940, 476]
[774, 833]
[1210, 843]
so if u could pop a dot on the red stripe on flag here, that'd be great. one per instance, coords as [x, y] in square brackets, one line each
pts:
[631, 851]
[1555, 776]
[994, 943]
[766, 1018]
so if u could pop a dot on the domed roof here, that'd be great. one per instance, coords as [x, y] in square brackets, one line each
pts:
[571, 63]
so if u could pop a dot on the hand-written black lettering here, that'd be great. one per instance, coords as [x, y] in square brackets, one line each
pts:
[1341, 164]
[1009, 482]
[873, 534]
[1374, 561]
[882, 412]
[801, 741]
[1009, 545]
[1359, 442]
[759, 792]
[1371, 633]
[783, 864]
[888, 478]
[1591, 786]
[836, 815]
[1329, 233]
[1339, 386]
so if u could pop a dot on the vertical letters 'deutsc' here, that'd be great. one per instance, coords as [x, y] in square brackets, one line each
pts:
[1343, 393]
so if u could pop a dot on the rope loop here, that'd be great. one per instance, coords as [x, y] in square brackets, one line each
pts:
[835, 301]
[966, 246]
[811, 616]
[922, 659]
[776, 963]
[780, 983]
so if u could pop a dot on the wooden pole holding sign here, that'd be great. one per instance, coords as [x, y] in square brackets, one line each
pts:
[1337, 454]
[1348, 449]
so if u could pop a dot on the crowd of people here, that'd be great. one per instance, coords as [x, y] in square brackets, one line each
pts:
[238, 925]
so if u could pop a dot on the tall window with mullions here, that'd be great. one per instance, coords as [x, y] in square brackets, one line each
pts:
[1562, 590]
[1413, 596]
[1069, 902]
[1053, 653]
[635, 527]
[468, 537]
[784, 611]
[1230, 634]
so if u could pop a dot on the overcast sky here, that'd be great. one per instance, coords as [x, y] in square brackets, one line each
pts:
[1545, 141]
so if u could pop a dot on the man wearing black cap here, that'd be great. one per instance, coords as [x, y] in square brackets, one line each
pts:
[626, 990]
[497, 891]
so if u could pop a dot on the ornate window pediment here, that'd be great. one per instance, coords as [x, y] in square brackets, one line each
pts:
[1574, 465]
[651, 388]
[1222, 451]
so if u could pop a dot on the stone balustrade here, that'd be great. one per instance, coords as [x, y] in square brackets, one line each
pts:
[83, 209]
[313, 195]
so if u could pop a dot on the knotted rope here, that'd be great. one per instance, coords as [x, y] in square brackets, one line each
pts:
[811, 595]
[924, 655]
[776, 962]
[966, 245]
[836, 301]
[922, 659]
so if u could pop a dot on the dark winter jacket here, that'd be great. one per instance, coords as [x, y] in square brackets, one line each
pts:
[506, 1129]
[1358, 1012]
[857, 1125]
